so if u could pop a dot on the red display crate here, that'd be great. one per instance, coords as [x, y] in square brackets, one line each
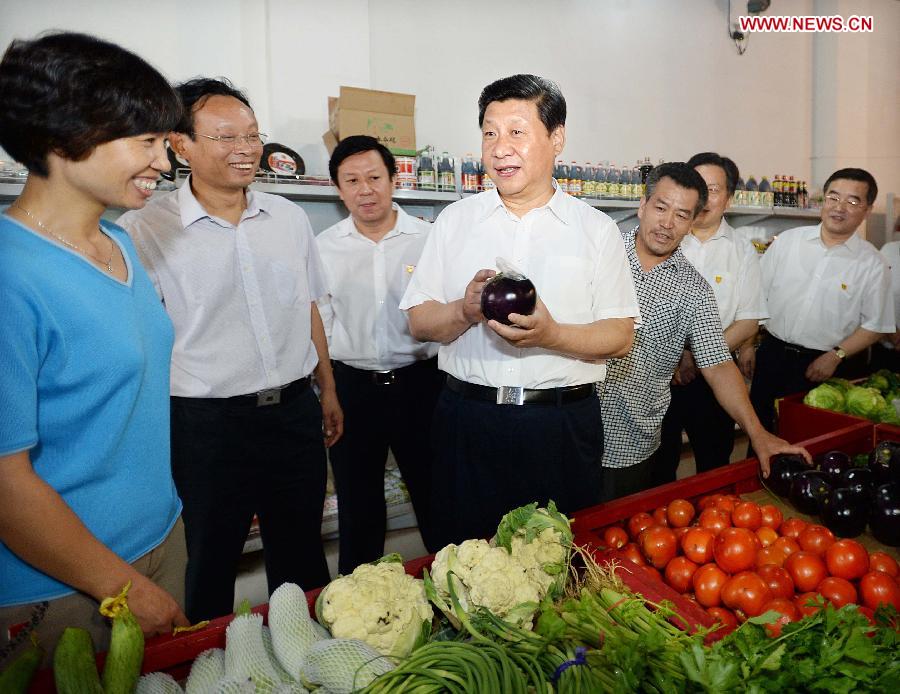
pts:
[798, 422]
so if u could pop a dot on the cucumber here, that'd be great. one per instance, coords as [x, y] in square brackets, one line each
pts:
[18, 675]
[74, 664]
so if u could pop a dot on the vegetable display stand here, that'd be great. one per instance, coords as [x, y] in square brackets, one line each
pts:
[798, 422]
[740, 478]
[175, 654]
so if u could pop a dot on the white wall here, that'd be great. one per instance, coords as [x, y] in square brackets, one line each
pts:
[641, 77]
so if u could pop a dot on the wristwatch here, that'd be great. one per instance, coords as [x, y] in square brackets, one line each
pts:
[841, 354]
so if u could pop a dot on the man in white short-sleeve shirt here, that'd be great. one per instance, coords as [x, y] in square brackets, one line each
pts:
[239, 273]
[731, 268]
[829, 297]
[387, 381]
[517, 421]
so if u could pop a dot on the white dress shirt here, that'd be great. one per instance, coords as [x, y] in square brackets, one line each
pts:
[891, 253]
[239, 296]
[572, 253]
[818, 295]
[365, 280]
[731, 266]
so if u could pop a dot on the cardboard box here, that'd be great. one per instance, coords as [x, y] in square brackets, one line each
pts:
[330, 141]
[387, 116]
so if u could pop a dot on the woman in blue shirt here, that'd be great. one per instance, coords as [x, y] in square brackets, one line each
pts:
[87, 501]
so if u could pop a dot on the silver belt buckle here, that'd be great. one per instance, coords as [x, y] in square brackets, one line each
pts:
[272, 396]
[510, 395]
[383, 378]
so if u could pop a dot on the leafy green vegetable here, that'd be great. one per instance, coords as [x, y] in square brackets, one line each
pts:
[531, 521]
[865, 402]
[826, 397]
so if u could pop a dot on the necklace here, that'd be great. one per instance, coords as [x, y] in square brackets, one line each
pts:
[47, 230]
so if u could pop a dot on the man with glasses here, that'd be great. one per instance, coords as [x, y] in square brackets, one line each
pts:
[731, 267]
[239, 274]
[829, 298]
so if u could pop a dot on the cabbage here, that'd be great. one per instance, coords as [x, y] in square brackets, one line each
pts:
[865, 402]
[826, 397]
[841, 384]
[877, 381]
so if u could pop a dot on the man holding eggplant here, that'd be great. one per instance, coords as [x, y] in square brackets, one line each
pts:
[678, 309]
[517, 421]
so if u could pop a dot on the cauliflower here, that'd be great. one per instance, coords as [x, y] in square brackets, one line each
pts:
[542, 540]
[380, 604]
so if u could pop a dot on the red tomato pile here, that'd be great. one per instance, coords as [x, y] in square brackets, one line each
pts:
[738, 559]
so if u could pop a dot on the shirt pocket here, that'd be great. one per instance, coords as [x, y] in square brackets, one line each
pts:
[289, 289]
[664, 340]
[565, 285]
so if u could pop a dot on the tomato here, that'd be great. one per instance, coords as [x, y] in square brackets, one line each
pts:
[735, 549]
[766, 535]
[877, 587]
[837, 591]
[780, 583]
[714, 519]
[615, 537]
[792, 527]
[847, 559]
[747, 592]
[697, 545]
[680, 533]
[638, 522]
[726, 503]
[816, 539]
[708, 581]
[746, 514]
[659, 516]
[659, 545]
[769, 556]
[708, 501]
[679, 573]
[633, 553]
[882, 561]
[725, 618]
[680, 513]
[808, 603]
[771, 516]
[806, 569]
[787, 611]
[786, 545]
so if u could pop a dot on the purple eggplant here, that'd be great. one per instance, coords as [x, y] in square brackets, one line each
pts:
[884, 461]
[783, 468]
[845, 511]
[884, 519]
[833, 464]
[506, 293]
[808, 488]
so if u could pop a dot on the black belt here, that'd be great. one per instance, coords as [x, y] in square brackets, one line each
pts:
[796, 349]
[515, 395]
[272, 396]
[384, 377]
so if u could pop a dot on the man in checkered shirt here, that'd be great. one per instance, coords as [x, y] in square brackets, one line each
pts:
[678, 311]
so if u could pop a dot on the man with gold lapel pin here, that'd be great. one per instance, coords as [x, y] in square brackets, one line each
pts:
[829, 298]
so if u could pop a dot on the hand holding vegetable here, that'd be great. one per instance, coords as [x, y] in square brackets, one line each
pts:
[471, 304]
[537, 330]
[766, 444]
[155, 610]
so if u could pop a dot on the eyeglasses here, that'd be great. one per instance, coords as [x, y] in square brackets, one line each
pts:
[837, 200]
[253, 139]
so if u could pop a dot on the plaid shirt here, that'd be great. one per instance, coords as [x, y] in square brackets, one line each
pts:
[678, 311]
